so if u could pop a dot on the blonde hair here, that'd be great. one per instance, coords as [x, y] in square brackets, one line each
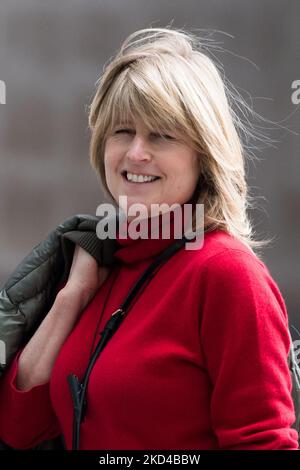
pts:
[163, 77]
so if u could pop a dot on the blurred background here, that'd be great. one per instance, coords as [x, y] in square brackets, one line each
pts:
[52, 53]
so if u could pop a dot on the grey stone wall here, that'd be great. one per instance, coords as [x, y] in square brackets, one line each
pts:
[51, 54]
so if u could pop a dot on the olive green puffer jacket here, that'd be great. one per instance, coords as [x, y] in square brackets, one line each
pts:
[30, 291]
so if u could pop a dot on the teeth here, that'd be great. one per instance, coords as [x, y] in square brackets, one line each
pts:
[139, 178]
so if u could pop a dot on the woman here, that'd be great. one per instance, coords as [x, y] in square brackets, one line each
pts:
[200, 361]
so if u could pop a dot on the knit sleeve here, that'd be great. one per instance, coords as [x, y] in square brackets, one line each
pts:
[245, 340]
[26, 417]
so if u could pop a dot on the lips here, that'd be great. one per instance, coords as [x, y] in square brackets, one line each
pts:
[124, 174]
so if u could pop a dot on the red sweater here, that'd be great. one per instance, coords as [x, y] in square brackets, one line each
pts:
[200, 362]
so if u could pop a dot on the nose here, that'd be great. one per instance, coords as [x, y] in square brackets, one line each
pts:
[138, 149]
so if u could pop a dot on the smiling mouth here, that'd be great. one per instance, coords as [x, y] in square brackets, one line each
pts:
[138, 179]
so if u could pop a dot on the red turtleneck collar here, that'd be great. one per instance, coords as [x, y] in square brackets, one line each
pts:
[133, 250]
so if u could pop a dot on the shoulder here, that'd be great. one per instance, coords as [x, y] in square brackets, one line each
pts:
[228, 268]
[221, 251]
[225, 261]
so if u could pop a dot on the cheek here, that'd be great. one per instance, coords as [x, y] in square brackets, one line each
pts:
[110, 161]
[109, 171]
[186, 170]
[194, 169]
[186, 175]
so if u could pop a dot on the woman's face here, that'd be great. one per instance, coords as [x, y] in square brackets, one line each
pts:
[132, 152]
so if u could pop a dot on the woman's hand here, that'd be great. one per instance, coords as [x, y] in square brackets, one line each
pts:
[85, 276]
[38, 357]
